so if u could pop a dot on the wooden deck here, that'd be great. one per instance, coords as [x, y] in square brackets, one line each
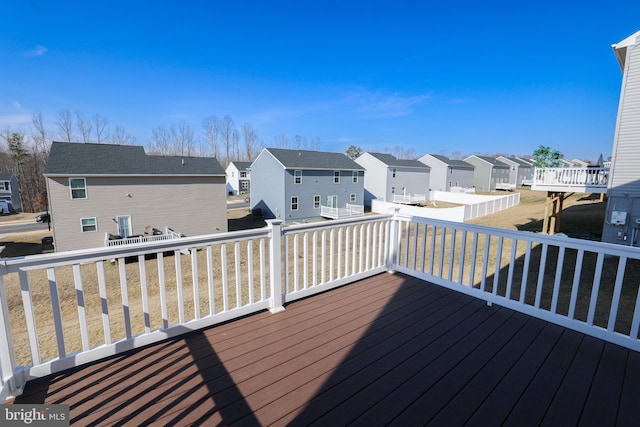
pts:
[389, 349]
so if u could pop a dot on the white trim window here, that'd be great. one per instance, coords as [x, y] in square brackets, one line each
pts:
[78, 188]
[336, 177]
[352, 198]
[294, 203]
[393, 190]
[393, 172]
[297, 176]
[316, 202]
[88, 225]
[354, 178]
[244, 185]
[243, 174]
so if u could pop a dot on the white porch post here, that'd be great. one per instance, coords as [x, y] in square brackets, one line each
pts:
[7, 356]
[275, 265]
[394, 242]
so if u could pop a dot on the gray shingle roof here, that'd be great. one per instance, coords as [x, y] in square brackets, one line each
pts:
[495, 162]
[518, 161]
[453, 162]
[242, 165]
[6, 176]
[391, 160]
[68, 158]
[304, 159]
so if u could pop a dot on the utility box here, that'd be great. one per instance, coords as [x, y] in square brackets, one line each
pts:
[618, 218]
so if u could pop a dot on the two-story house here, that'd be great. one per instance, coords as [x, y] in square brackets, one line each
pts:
[622, 218]
[238, 178]
[520, 173]
[448, 174]
[298, 184]
[390, 179]
[10, 192]
[489, 173]
[96, 190]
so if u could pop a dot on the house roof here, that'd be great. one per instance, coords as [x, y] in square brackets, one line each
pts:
[4, 176]
[304, 159]
[241, 165]
[620, 48]
[68, 158]
[453, 162]
[391, 160]
[516, 160]
[492, 160]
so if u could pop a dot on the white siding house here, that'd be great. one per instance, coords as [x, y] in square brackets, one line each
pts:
[9, 192]
[489, 173]
[238, 178]
[447, 174]
[387, 178]
[623, 208]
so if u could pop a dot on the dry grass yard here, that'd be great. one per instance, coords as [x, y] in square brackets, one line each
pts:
[583, 216]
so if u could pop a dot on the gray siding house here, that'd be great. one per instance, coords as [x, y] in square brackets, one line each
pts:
[238, 178]
[623, 209]
[386, 177]
[10, 192]
[294, 184]
[521, 172]
[489, 173]
[100, 189]
[448, 173]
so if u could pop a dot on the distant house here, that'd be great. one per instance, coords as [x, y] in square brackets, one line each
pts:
[489, 173]
[623, 192]
[9, 192]
[98, 191]
[577, 163]
[447, 174]
[393, 180]
[299, 184]
[520, 173]
[238, 178]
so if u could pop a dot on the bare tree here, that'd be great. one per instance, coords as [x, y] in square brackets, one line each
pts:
[211, 127]
[226, 135]
[183, 139]
[100, 123]
[65, 125]
[281, 141]
[235, 137]
[120, 136]
[84, 126]
[315, 144]
[250, 138]
[160, 141]
[300, 142]
[40, 135]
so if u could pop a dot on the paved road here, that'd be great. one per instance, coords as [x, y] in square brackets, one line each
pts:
[13, 227]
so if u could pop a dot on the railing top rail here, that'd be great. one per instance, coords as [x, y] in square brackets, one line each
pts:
[121, 251]
[567, 242]
[296, 228]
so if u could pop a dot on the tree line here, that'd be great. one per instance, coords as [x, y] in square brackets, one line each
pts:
[24, 152]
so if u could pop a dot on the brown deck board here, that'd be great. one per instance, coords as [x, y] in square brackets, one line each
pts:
[388, 349]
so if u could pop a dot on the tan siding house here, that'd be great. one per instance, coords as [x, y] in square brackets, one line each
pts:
[97, 190]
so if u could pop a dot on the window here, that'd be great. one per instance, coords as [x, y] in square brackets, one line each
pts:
[393, 190]
[294, 203]
[243, 174]
[244, 185]
[88, 225]
[355, 176]
[5, 186]
[78, 188]
[316, 202]
[393, 172]
[297, 177]
[336, 177]
[352, 197]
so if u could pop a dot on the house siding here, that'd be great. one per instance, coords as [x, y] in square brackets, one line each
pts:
[195, 202]
[267, 189]
[379, 179]
[443, 176]
[624, 178]
[14, 191]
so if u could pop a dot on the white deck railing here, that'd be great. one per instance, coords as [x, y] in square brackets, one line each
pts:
[168, 235]
[65, 309]
[590, 180]
[409, 199]
[348, 211]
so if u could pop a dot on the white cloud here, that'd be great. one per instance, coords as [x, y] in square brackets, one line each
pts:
[14, 120]
[39, 50]
[380, 105]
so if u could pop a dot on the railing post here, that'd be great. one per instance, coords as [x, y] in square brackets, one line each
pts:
[7, 356]
[394, 231]
[275, 265]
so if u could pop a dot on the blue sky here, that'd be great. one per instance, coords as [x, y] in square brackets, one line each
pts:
[455, 78]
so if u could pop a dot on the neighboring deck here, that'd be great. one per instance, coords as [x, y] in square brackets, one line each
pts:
[388, 349]
[581, 180]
